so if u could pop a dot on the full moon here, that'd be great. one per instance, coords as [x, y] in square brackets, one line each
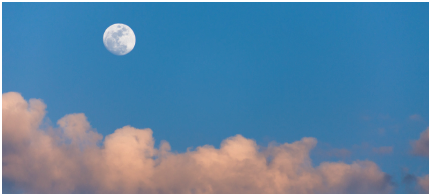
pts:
[119, 39]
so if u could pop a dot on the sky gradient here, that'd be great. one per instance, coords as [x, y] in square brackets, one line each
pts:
[353, 78]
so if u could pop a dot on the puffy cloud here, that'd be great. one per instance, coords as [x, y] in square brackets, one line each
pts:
[68, 159]
[421, 146]
[423, 183]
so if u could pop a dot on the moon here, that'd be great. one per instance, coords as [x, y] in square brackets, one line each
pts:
[119, 39]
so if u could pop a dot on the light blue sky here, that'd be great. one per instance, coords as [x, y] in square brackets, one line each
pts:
[349, 74]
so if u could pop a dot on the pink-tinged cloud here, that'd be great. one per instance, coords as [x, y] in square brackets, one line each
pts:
[415, 117]
[421, 146]
[423, 183]
[67, 159]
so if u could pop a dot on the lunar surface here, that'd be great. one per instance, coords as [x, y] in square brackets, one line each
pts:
[119, 39]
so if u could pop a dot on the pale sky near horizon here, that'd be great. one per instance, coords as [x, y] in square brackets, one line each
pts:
[355, 76]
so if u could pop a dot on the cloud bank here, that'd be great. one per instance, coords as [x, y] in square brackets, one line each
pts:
[68, 159]
[421, 146]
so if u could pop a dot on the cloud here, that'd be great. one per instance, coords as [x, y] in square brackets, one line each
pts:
[415, 117]
[68, 159]
[423, 183]
[383, 150]
[421, 146]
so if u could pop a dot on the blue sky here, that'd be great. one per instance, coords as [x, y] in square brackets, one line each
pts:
[351, 75]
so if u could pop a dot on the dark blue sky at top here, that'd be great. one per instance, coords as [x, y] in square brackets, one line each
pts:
[202, 72]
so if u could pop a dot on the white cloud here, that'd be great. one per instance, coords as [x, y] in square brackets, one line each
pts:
[68, 160]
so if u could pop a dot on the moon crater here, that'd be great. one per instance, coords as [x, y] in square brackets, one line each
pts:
[119, 39]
